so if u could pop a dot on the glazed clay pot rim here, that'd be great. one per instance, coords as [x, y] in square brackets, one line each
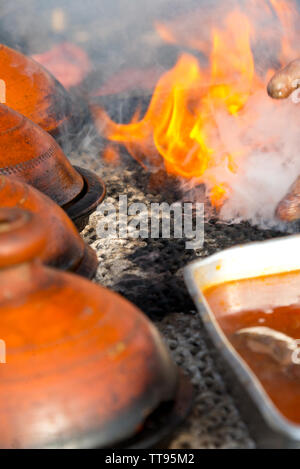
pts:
[180, 406]
[89, 198]
[88, 265]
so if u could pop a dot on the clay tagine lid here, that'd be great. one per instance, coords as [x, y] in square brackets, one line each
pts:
[33, 91]
[64, 248]
[91, 371]
[30, 154]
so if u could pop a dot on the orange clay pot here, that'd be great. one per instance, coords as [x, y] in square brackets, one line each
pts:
[84, 368]
[33, 91]
[33, 156]
[64, 248]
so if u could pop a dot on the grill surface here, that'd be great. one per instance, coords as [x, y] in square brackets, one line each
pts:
[149, 273]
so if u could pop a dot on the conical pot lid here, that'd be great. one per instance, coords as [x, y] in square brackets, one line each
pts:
[30, 154]
[64, 249]
[33, 91]
[84, 367]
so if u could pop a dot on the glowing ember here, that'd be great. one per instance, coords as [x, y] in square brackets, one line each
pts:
[111, 155]
[197, 114]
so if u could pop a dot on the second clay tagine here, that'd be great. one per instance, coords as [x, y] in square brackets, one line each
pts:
[30, 154]
[64, 249]
[84, 367]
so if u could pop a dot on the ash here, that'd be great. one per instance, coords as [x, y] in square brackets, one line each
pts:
[148, 272]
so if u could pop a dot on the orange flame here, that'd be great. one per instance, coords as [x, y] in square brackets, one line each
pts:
[111, 155]
[181, 126]
[287, 13]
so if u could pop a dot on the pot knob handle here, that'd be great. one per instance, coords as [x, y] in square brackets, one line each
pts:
[22, 237]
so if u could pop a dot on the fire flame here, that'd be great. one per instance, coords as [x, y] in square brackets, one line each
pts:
[181, 128]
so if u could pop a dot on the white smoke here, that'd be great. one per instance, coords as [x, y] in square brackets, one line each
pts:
[270, 167]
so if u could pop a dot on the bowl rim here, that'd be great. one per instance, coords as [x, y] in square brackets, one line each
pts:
[246, 377]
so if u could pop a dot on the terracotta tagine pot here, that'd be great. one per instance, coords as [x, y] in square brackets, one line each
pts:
[34, 92]
[84, 368]
[64, 249]
[28, 153]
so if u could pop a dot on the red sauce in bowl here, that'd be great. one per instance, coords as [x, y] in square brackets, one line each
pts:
[272, 302]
